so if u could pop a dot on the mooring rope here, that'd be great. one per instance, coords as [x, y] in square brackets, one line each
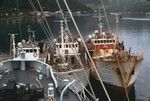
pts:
[123, 81]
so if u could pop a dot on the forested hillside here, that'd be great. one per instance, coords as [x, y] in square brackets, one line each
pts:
[110, 5]
[51, 5]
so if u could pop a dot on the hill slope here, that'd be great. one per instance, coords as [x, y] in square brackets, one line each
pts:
[46, 4]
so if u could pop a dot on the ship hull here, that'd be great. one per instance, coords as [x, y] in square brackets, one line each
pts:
[115, 93]
[30, 76]
[119, 90]
[108, 71]
[80, 75]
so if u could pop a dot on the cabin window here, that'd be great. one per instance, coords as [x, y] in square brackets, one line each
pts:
[76, 45]
[31, 50]
[27, 50]
[113, 41]
[35, 50]
[104, 41]
[59, 46]
[66, 52]
[66, 46]
[98, 41]
[73, 45]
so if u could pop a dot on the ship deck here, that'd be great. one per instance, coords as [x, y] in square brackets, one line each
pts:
[31, 77]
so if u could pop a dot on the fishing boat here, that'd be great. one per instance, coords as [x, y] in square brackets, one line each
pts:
[69, 60]
[117, 66]
[27, 77]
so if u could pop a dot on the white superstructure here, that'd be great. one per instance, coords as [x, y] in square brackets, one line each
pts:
[66, 60]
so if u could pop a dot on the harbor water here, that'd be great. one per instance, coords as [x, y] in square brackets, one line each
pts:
[134, 33]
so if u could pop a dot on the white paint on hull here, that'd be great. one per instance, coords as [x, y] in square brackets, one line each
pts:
[109, 75]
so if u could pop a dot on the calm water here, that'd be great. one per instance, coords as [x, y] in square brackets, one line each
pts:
[136, 34]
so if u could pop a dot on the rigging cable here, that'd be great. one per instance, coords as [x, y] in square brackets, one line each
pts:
[75, 50]
[36, 10]
[117, 21]
[48, 27]
[123, 81]
[105, 14]
[41, 22]
[87, 51]
[45, 19]
[19, 20]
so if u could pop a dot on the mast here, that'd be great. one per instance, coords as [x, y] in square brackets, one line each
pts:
[117, 15]
[31, 34]
[62, 32]
[100, 22]
[62, 37]
[12, 42]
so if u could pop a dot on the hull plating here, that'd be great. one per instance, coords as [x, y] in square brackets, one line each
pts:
[109, 73]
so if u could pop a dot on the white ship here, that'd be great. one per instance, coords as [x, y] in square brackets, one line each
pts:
[117, 67]
[27, 77]
[69, 61]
